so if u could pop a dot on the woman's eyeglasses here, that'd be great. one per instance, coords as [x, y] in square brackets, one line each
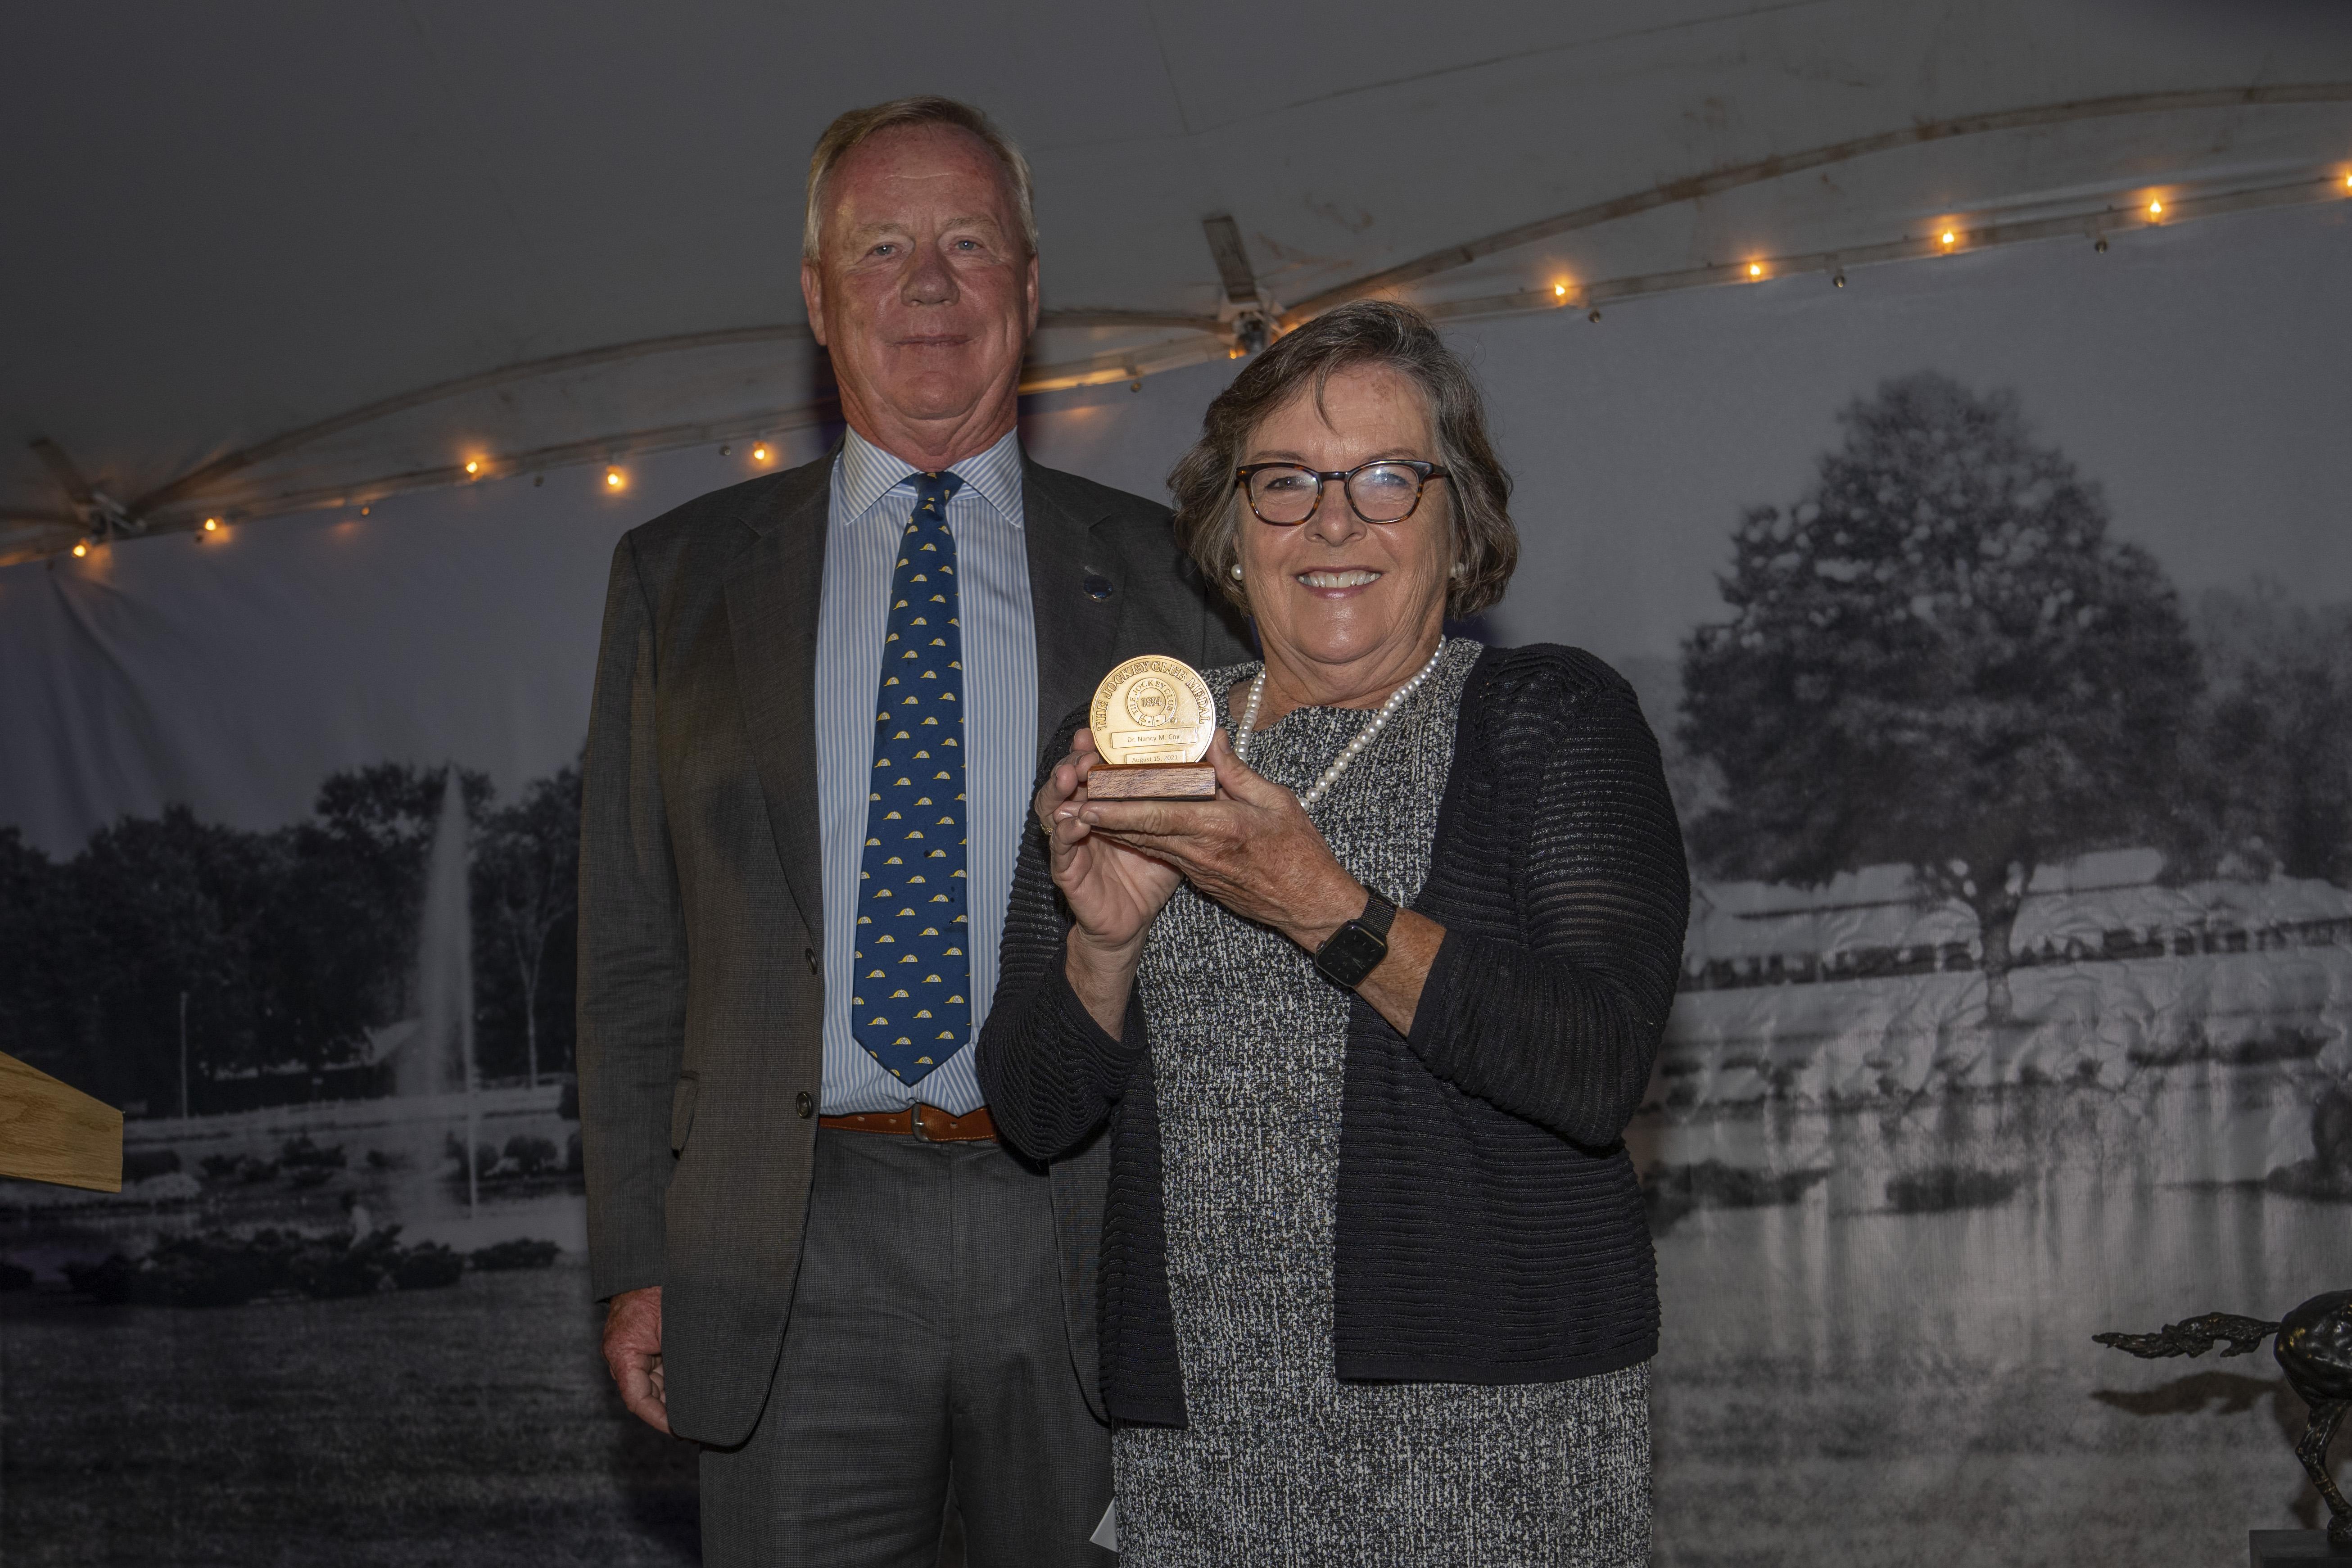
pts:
[1287, 494]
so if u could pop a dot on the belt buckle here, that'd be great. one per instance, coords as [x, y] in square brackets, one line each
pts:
[915, 1120]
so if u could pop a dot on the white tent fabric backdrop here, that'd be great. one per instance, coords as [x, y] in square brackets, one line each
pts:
[304, 260]
[1886, 1227]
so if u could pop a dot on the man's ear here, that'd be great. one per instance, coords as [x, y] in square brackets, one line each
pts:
[813, 297]
[1031, 287]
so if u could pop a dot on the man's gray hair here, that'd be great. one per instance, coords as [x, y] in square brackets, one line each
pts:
[855, 127]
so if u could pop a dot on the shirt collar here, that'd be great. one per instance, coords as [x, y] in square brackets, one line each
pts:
[865, 473]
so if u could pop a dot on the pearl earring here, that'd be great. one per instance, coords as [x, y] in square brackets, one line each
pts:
[1460, 567]
[1236, 570]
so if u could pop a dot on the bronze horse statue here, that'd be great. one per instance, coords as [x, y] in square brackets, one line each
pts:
[2314, 1350]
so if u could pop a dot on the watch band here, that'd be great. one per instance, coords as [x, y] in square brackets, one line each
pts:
[1349, 954]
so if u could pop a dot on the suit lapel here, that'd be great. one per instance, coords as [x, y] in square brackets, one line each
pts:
[1076, 631]
[774, 587]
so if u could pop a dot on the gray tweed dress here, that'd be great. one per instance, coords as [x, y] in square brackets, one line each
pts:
[1282, 1463]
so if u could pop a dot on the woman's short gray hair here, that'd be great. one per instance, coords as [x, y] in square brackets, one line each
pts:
[860, 124]
[1209, 504]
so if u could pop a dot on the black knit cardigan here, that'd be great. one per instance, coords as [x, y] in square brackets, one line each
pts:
[1489, 1228]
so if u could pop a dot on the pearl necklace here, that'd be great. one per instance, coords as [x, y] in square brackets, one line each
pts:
[1354, 748]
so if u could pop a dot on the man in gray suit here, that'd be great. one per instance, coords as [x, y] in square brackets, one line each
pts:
[818, 712]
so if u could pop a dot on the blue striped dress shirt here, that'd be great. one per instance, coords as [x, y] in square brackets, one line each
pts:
[870, 505]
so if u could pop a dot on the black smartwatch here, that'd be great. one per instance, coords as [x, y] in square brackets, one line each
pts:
[1350, 953]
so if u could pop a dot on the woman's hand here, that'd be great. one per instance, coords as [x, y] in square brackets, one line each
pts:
[1253, 850]
[1113, 892]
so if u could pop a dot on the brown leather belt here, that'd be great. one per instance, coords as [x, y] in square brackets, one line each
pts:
[928, 1122]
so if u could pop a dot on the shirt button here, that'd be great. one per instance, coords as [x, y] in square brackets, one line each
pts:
[805, 1103]
[810, 953]
[1098, 585]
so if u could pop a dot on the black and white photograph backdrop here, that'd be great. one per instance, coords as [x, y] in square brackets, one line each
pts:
[1990, 593]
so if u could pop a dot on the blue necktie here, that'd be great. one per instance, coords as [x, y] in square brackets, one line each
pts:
[911, 1006]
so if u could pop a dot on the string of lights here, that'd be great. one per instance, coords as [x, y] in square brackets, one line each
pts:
[1944, 236]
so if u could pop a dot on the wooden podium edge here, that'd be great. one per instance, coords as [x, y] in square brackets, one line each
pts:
[51, 1132]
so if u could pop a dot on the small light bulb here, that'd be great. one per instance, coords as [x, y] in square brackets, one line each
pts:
[612, 478]
[1949, 236]
[1756, 269]
[81, 547]
[760, 452]
[727, 451]
[364, 511]
[1593, 317]
[2102, 246]
[2155, 209]
[1839, 280]
[212, 525]
[473, 465]
[1559, 291]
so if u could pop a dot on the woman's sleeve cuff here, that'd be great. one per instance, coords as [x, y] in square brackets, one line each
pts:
[1115, 1053]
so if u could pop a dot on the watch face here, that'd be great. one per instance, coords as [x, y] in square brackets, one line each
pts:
[1351, 954]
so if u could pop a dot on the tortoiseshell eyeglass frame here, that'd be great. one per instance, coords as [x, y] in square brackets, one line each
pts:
[1424, 471]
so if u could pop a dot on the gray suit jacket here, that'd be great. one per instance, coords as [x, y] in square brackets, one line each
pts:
[702, 921]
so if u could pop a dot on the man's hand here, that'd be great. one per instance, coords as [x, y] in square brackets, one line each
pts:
[633, 1350]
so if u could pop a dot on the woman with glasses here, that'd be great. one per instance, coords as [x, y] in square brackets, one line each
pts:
[1366, 1029]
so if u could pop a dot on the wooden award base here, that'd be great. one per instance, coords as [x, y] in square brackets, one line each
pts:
[1152, 780]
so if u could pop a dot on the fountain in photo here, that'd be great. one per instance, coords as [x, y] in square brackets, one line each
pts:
[438, 1059]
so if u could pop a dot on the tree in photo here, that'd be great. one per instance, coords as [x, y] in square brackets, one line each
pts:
[2275, 767]
[171, 956]
[526, 881]
[36, 956]
[1939, 658]
[344, 937]
[166, 915]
